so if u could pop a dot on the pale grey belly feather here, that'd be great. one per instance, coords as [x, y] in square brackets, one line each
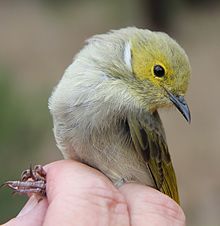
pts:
[112, 152]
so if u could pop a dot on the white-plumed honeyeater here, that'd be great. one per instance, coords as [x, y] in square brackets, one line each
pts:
[105, 107]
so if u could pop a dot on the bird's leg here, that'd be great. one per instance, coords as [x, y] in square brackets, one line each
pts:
[33, 181]
[119, 182]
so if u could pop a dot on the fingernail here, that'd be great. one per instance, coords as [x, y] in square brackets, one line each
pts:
[31, 203]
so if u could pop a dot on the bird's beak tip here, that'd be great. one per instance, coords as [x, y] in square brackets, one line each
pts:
[188, 119]
[181, 105]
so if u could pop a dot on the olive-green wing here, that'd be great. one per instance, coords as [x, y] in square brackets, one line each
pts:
[149, 140]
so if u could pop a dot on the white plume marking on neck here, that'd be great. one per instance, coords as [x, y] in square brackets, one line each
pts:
[127, 55]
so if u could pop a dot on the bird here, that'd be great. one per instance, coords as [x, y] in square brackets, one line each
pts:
[105, 107]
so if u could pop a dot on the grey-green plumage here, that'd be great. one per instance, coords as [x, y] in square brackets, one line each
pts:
[104, 108]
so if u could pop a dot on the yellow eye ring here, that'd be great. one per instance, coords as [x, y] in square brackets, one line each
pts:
[158, 70]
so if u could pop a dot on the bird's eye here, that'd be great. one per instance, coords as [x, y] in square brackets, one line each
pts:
[159, 71]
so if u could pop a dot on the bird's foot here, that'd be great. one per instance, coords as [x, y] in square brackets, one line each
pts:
[33, 181]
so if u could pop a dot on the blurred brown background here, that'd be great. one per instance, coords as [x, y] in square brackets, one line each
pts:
[38, 40]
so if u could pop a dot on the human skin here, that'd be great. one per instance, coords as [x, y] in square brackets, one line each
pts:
[80, 195]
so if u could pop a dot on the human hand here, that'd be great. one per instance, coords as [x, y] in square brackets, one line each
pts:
[80, 195]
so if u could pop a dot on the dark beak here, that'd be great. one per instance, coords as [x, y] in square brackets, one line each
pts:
[181, 105]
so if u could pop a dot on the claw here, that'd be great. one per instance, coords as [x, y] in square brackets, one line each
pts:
[3, 185]
[31, 172]
[40, 171]
[33, 181]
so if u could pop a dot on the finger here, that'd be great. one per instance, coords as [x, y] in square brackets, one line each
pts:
[148, 206]
[32, 213]
[80, 195]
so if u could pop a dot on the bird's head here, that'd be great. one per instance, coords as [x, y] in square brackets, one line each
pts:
[160, 69]
[145, 70]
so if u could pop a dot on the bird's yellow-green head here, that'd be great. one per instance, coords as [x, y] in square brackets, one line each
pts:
[151, 67]
[161, 69]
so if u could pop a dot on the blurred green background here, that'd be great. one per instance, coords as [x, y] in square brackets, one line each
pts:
[38, 40]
